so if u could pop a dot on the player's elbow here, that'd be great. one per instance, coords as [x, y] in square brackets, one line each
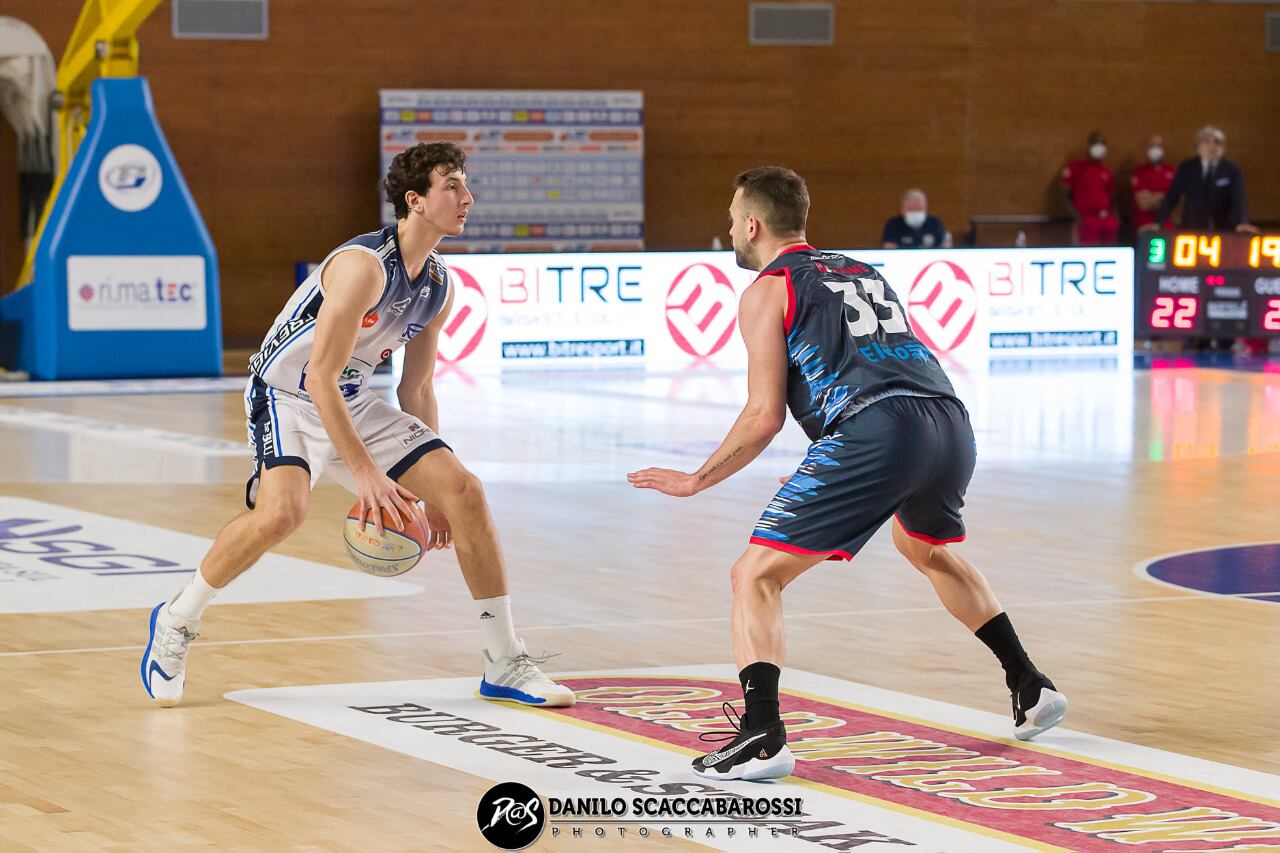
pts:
[412, 400]
[767, 423]
[317, 381]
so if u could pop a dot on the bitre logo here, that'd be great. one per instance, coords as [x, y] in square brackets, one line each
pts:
[701, 310]
[463, 331]
[511, 816]
[942, 306]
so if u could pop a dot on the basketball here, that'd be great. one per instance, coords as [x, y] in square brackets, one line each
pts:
[393, 553]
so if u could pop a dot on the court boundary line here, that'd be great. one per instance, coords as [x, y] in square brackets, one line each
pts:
[583, 626]
[44, 420]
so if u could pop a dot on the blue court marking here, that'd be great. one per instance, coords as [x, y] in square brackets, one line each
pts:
[1242, 571]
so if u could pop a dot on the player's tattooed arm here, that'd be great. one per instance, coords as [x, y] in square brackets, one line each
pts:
[761, 314]
[726, 460]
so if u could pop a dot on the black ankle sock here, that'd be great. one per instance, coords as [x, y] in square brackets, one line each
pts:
[998, 635]
[760, 692]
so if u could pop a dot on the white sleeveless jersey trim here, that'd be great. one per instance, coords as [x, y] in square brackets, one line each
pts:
[402, 310]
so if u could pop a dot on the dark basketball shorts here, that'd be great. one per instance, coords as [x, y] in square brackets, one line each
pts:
[909, 456]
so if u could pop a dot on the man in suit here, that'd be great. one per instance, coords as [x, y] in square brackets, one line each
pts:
[1210, 187]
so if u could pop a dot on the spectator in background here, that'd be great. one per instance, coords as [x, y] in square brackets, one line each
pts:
[915, 228]
[1149, 182]
[1210, 187]
[1090, 188]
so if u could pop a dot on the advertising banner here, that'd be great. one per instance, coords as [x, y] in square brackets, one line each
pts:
[135, 292]
[671, 309]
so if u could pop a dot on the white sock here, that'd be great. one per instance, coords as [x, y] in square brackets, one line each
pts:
[192, 601]
[495, 621]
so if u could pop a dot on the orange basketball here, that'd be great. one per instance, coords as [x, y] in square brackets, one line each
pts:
[393, 553]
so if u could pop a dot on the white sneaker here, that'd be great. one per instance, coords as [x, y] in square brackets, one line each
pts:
[518, 679]
[164, 663]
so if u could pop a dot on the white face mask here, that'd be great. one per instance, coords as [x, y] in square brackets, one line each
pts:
[1155, 153]
[914, 218]
[1097, 151]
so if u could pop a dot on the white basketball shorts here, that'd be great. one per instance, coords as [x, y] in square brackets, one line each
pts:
[286, 430]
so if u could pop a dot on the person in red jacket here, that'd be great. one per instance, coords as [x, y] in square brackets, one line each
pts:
[1090, 188]
[1149, 182]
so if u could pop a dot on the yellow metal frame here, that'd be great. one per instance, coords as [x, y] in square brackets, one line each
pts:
[103, 44]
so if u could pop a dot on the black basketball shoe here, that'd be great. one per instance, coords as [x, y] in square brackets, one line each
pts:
[1037, 706]
[752, 754]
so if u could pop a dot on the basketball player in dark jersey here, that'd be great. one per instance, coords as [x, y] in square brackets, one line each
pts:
[827, 337]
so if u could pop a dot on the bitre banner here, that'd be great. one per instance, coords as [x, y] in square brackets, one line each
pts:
[672, 309]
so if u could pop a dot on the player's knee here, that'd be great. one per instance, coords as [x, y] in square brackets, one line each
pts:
[471, 489]
[281, 517]
[932, 559]
[919, 554]
[747, 571]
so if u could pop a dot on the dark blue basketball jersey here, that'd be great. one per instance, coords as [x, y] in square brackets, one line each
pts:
[848, 340]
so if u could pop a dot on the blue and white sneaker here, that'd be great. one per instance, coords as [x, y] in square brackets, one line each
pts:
[518, 679]
[164, 663]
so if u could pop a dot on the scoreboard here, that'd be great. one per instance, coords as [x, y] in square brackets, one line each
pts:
[1208, 285]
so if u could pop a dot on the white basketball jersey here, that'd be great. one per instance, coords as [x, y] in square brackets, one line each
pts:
[402, 311]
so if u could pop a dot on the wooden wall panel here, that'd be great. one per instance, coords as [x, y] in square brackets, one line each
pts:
[977, 101]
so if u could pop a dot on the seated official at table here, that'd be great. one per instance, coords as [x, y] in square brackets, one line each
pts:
[915, 228]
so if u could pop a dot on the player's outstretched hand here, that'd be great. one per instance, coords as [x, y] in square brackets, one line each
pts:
[665, 480]
[441, 533]
[379, 492]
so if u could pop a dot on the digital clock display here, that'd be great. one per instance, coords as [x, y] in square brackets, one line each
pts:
[1205, 251]
[1208, 285]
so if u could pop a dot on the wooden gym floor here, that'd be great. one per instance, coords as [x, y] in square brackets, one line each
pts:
[1083, 473]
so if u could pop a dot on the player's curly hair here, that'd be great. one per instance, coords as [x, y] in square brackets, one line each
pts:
[412, 168]
[779, 195]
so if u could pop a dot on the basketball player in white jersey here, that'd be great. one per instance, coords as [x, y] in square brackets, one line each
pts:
[310, 410]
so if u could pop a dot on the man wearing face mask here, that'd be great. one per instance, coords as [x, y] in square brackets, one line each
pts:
[1150, 182]
[915, 228]
[1210, 187]
[1090, 188]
